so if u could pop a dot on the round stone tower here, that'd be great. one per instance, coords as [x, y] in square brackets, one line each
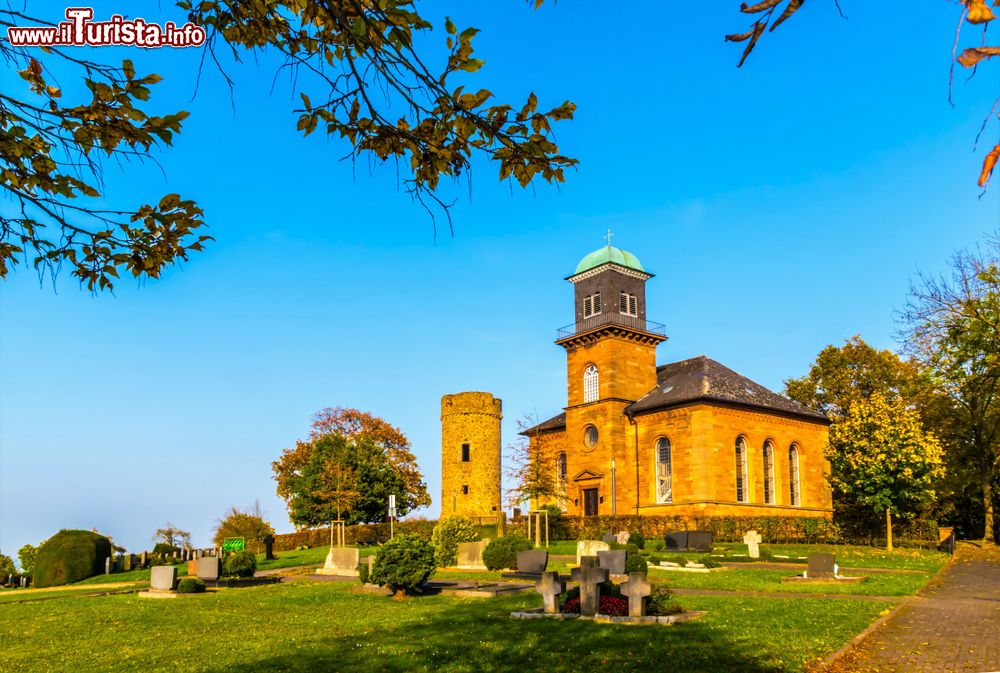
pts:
[470, 454]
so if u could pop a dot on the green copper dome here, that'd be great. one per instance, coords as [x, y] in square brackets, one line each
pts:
[609, 254]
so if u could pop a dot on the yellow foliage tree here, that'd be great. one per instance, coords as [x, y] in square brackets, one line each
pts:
[882, 457]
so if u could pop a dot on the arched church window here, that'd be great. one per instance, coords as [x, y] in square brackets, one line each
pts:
[794, 494]
[768, 473]
[664, 471]
[590, 384]
[742, 482]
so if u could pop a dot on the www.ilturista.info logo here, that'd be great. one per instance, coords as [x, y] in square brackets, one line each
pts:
[80, 30]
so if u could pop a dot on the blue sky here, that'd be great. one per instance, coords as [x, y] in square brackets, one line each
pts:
[783, 206]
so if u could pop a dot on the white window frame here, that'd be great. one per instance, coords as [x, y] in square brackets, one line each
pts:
[628, 304]
[742, 473]
[592, 305]
[591, 384]
[664, 470]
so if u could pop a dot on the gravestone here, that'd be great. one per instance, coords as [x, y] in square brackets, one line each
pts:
[699, 540]
[143, 560]
[129, 561]
[470, 555]
[269, 548]
[24, 581]
[107, 566]
[370, 562]
[590, 548]
[821, 566]
[590, 577]
[341, 561]
[163, 578]
[752, 540]
[622, 537]
[532, 562]
[208, 568]
[677, 541]
[637, 588]
[550, 587]
[192, 568]
[608, 538]
[613, 561]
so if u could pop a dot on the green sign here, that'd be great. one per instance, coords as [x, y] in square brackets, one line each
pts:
[234, 544]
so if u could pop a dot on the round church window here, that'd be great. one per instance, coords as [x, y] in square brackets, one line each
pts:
[590, 437]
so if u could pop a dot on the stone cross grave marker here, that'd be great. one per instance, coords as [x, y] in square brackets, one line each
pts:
[637, 588]
[590, 577]
[550, 586]
[752, 539]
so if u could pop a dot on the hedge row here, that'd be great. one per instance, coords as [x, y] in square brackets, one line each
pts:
[362, 534]
[773, 529]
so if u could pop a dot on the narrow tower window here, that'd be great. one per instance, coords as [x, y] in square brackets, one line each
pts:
[591, 305]
[590, 384]
[627, 304]
[465, 453]
[664, 471]
[465, 490]
[561, 473]
[794, 494]
[742, 483]
[768, 473]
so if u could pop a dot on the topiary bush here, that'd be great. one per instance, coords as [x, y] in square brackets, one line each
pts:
[363, 571]
[635, 563]
[710, 562]
[70, 556]
[240, 564]
[501, 554]
[447, 534]
[403, 563]
[661, 602]
[190, 585]
[637, 538]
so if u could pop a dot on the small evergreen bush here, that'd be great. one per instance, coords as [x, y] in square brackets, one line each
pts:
[403, 563]
[363, 571]
[661, 603]
[240, 564]
[447, 534]
[637, 538]
[766, 554]
[190, 585]
[710, 562]
[501, 554]
[70, 556]
[635, 563]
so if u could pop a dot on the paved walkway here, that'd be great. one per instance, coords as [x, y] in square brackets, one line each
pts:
[953, 626]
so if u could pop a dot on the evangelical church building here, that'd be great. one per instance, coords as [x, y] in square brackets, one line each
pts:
[685, 438]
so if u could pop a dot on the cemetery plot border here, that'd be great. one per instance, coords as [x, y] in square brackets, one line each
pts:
[664, 620]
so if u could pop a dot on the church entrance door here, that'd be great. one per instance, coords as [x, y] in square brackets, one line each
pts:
[590, 502]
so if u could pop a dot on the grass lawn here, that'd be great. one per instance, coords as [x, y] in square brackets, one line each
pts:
[130, 576]
[851, 556]
[312, 627]
[61, 592]
[753, 579]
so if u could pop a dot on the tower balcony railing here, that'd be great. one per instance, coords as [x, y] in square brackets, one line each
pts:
[602, 319]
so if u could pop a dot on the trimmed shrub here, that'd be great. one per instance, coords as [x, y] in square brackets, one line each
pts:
[710, 562]
[190, 585]
[164, 549]
[70, 556]
[637, 538]
[403, 563]
[501, 554]
[363, 571]
[446, 536]
[240, 564]
[765, 554]
[635, 563]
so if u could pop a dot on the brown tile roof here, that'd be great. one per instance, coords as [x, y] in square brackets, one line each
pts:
[702, 378]
[554, 423]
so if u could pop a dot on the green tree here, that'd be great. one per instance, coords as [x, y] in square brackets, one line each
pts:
[347, 470]
[172, 535]
[6, 568]
[26, 556]
[447, 535]
[249, 524]
[852, 372]
[883, 459]
[362, 76]
[953, 327]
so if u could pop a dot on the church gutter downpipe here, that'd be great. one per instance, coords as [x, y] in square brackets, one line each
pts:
[631, 420]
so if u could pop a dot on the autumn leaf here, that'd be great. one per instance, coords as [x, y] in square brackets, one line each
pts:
[979, 12]
[974, 55]
[988, 164]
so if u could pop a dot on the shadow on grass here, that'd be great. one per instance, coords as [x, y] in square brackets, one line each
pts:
[447, 639]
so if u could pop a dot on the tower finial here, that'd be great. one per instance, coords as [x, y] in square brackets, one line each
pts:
[609, 237]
